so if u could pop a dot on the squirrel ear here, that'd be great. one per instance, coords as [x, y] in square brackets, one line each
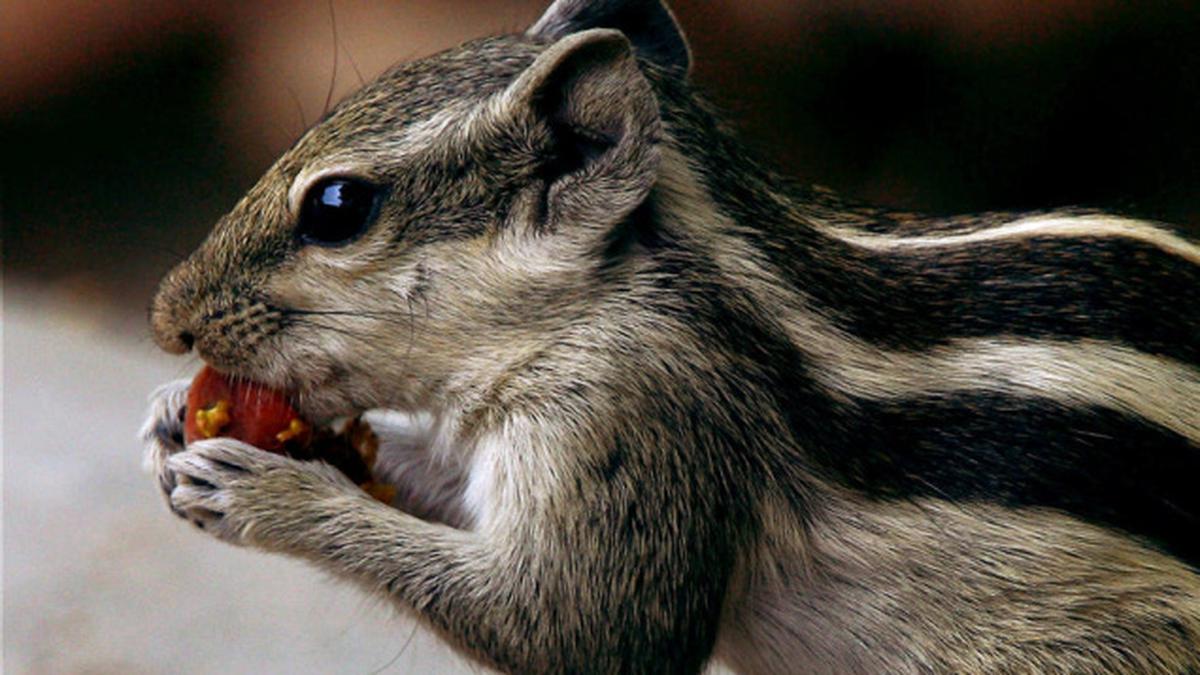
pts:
[649, 25]
[602, 118]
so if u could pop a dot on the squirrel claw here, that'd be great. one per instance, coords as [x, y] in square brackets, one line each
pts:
[246, 496]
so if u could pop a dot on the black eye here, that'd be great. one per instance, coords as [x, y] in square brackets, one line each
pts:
[336, 210]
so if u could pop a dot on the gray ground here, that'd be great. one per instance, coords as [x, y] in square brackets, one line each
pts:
[100, 578]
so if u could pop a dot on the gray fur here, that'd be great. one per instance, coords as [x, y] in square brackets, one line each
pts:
[648, 365]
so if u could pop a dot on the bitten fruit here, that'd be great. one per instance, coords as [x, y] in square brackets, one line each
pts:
[264, 418]
[252, 413]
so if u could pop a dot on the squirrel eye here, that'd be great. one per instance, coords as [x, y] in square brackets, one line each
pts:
[336, 210]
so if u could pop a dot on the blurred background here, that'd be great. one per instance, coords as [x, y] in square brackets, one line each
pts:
[128, 127]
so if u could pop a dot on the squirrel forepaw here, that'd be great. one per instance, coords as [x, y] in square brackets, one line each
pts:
[162, 432]
[246, 496]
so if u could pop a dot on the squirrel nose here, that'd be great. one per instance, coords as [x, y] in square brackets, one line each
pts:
[182, 343]
[174, 342]
[170, 328]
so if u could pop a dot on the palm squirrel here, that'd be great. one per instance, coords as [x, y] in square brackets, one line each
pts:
[680, 410]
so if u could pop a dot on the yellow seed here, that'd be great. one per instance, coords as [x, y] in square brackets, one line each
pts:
[295, 429]
[210, 421]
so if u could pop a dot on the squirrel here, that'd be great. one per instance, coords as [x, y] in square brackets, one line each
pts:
[681, 410]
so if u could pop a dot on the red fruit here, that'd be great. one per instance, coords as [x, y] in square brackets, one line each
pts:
[249, 412]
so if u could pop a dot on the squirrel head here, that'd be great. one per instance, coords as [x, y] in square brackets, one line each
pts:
[446, 219]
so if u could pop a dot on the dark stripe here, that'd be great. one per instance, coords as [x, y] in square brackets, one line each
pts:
[1094, 463]
[1102, 288]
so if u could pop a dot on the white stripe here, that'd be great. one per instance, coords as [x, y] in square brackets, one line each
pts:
[1076, 374]
[1039, 226]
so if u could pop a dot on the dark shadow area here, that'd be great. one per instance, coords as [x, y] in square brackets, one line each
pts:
[1103, 114]
[107, 186]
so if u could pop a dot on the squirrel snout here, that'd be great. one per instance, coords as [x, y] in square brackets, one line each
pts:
[179, 344]
[168, 335]
[171, 331]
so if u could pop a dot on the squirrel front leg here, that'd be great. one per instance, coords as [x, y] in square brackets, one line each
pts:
[425, 487]
[613, 581]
